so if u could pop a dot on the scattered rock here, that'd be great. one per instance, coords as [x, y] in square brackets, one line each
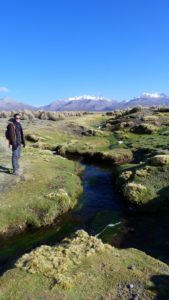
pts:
[132, 267]
[131, 286]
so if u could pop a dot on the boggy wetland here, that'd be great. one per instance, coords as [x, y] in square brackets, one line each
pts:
[89, 217]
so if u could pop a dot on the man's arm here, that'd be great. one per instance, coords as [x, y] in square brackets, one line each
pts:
[22, 137]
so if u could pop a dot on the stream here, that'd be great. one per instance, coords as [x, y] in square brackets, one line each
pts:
[99, 211]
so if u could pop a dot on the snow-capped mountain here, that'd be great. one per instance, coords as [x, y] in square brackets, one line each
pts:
[88, 97]
[148, 99]
[82, 103]
[89, 103]
[154, 95]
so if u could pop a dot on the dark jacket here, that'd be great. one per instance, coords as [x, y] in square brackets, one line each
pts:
[16, 136]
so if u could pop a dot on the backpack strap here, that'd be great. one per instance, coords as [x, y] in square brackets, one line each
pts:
[14, 129]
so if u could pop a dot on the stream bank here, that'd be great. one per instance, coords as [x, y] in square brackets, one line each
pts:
[99, 206]
[101, 212]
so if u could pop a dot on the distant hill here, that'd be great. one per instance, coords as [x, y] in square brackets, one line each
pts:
[82, 103]
[147, 99]
[7, 104]
[89, 103]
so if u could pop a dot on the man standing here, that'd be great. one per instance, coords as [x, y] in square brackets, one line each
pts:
[16, 139]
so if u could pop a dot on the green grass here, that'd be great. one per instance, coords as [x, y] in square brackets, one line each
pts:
[154, 178]
[90, 270]
[34, 200]
[27, 203]
[51, 187]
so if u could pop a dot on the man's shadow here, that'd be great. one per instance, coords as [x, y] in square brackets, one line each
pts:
[5, 170]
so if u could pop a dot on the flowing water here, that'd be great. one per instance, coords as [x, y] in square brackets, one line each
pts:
[99, 212]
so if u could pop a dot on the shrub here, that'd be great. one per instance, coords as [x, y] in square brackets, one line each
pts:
[52, 116]
[27, 115]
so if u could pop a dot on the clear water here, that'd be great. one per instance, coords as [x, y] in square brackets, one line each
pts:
[98, 210]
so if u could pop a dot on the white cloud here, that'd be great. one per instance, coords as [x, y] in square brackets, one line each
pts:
[4, 89]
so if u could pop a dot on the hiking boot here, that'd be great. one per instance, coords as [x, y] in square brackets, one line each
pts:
[20, 171]
[17, 172]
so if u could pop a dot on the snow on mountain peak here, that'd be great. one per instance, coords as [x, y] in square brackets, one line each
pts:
[153, 95]
[87, 97]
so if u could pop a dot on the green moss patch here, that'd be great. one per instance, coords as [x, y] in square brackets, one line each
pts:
[84, 268]
[145, 186]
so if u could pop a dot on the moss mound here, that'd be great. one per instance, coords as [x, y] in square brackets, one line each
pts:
[137, 193]
[116, 156]
[119, 156]
[159, 160]
[53, 262]
[145, 186]
[144, 128]
[85, 268]
[32, 138]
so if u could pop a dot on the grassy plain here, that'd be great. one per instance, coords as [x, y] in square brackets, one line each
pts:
[82, 267]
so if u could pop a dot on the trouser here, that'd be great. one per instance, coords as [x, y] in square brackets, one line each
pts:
[15, 158]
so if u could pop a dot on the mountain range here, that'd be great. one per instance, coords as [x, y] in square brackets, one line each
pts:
[89, 103]
[7, 104]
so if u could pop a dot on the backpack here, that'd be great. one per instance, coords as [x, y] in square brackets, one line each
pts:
[7, 132]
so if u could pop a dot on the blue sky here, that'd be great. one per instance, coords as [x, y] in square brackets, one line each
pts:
[53, 49]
